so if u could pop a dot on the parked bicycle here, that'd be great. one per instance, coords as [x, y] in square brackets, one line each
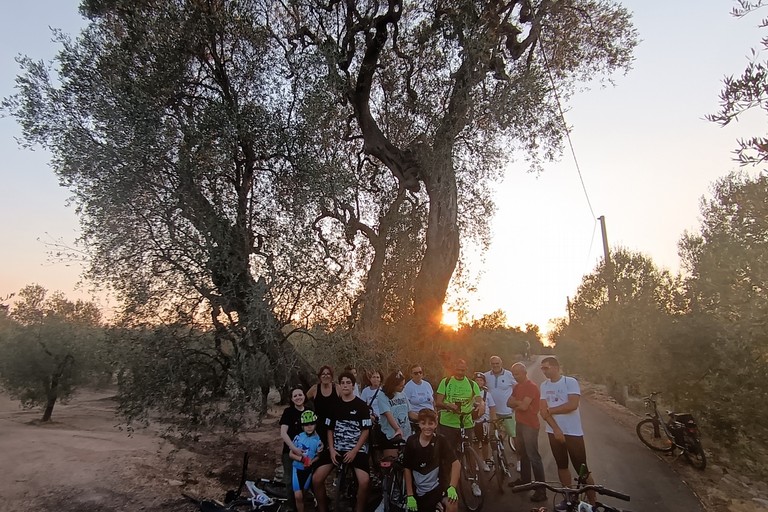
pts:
[571, 497]
[679, 432]
[472, 466]
[262, 495]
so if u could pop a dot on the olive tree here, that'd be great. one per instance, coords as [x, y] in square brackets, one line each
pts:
[52, 347]
[439, 92]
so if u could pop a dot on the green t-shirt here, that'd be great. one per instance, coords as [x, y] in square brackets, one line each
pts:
[458, 391]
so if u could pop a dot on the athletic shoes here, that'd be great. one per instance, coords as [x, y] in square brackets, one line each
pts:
[539, 495]
[476, 489]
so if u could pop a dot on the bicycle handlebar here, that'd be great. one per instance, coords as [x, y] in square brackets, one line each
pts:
[599, 489]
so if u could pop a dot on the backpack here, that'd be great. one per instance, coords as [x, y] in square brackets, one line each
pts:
[478, 410]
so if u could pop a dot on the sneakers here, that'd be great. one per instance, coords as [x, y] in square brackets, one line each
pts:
[476, 489]
[539, 495]
[488, 464]
[563, 505]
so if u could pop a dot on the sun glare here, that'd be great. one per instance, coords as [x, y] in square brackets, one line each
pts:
[450, 319]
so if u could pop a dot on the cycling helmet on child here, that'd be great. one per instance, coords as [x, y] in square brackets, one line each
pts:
[308, 418]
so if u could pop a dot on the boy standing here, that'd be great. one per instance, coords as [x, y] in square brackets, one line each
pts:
[426, 457]
[310, 445]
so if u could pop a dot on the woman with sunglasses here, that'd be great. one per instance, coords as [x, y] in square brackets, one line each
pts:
[325, 395]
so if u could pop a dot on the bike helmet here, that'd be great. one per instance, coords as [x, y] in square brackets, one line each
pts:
[308, 418]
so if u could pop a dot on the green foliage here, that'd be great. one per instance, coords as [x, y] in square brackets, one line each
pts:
[746, 92]
[700, 339]
[630, 325]
[50, 347]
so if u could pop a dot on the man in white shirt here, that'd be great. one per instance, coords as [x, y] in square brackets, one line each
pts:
[419, 393]
[500, 383]
[560, 397]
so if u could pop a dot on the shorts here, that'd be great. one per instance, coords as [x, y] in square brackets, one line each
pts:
[302, 479]
[510, 426]
[428, 502]
[453, 436]
[481, 432]
[359, 462]
[573, 448]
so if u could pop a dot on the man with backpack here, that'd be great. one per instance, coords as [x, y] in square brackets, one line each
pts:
[457, 395]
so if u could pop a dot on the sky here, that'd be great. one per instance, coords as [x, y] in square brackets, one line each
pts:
[646, 155]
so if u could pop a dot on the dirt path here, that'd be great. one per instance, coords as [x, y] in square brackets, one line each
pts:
[82, 461]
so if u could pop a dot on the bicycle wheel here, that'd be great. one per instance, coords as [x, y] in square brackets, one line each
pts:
[500, 467]
[653, 435]
[470, 481]
[694, 453]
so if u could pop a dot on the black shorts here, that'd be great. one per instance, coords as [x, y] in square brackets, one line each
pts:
[359, 462]
[302, 478]
[428, 502]
[573, 448]
[481, 432]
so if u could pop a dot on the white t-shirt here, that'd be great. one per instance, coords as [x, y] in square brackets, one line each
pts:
[367, 395]
[500, 387]
[420, 396]
[556, 393]
[488, 398]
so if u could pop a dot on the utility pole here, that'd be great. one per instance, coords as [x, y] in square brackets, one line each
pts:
[607, 258]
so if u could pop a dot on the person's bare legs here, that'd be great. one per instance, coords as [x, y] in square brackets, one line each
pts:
[363, 480]
[318, 484]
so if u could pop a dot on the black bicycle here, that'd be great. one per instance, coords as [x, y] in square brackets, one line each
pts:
[572, 500]
[393, 489]
[472, 466]
[679, 432]
[345, 493]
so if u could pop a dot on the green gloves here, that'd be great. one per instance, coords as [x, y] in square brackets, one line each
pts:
[411, 503]
[451, 492]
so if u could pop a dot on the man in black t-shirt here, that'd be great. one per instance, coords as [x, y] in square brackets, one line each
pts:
[348, 430]
[431, 468]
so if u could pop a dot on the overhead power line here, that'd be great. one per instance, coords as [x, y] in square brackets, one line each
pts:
[567, 132]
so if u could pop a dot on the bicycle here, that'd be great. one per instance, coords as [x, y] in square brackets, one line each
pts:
[470, 480]
[393, 491]
[679, 432]
[345, 495]
[500, 465]
[265, 496]
[573, 503]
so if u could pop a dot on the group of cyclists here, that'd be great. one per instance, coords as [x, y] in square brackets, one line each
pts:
[392, 414]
